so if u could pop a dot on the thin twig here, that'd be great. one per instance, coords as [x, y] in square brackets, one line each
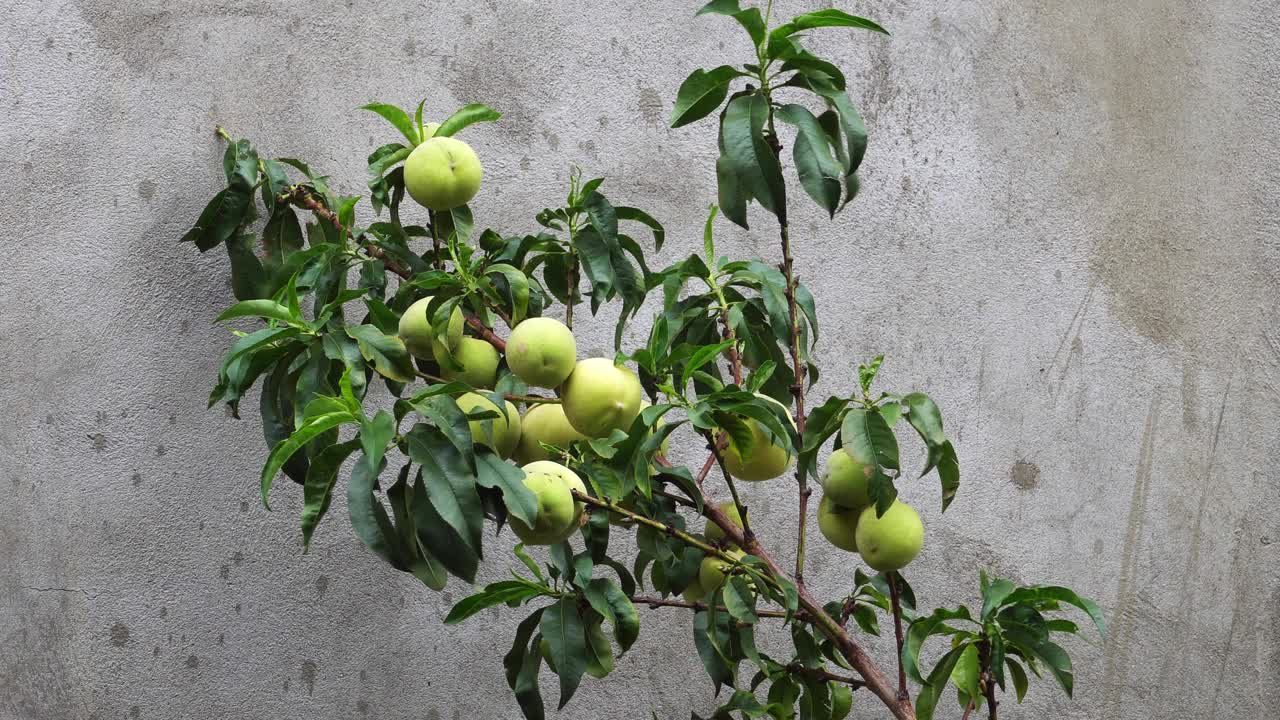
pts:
[657, 602]
[896, 598]
[823, 674]
[967, 709]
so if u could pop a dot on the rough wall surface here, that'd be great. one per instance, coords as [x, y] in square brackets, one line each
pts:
[1068, 235]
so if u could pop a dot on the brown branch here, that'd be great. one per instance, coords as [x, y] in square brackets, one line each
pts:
[988, 679]
[303, 198]
[861, 662]
[896, 598]
[967, 709]
[657, 602]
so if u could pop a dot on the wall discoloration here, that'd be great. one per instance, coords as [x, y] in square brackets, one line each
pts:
[1066, 235]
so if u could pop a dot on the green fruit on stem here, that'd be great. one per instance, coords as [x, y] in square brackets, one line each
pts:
[600, 397]
[479, 361]
[764, 460]
[714, 532]
[711, 573]
[541, 351]
[505, 427]
[566, 476]
[892, 541]
[556, 511]
[442, 173]
[544, 423]
[694, 592]
[838, 524]
[415, 330]
[846, 480]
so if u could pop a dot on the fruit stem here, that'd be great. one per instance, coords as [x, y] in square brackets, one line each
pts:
[435, 241]
[896, 598]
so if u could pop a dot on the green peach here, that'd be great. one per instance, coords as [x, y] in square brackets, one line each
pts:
[600, 397]
[415, 330]
[765, 460]
[711, 573]
[544, 423]
[714, 532]
[479, 361]
[565, 475]
[892, 541]
[505, 427]
[846, 480]
[555, 519]
[442, 173]
[541, 351]
[838, 524]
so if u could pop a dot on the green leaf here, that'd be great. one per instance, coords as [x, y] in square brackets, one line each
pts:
[994, 596]
[1019, 677]
[521, 665]
[1040, 593]
[494, 472]
[499, 593]
[282, 235]
[562, 627]
[437, 536]
[259, 308]
[750, 19]
[966, 672]
[624, 212]
[704, 355]
[740, 601]
[751, 163]
[368, 516]
[867, 438]
[820, 172]
[920, 630]
[220, 219]
[610, 601]
[317, 491]
[924, 416]
[397, 117]
[927, 700]
[286, 448]
[948, 473]
[701, 93]
[718, 670]
[518, 283]
[818, 19]
[464, 116]
[387, 353]
[451, 487]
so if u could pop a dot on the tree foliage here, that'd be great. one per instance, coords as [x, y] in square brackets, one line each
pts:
[346, 408]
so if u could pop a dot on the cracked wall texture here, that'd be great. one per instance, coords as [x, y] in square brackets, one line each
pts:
[1067, 235]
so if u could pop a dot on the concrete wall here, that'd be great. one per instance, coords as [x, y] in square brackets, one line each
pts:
[1067, 235]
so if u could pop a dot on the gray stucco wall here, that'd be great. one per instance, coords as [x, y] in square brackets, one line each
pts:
[1068, 235]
